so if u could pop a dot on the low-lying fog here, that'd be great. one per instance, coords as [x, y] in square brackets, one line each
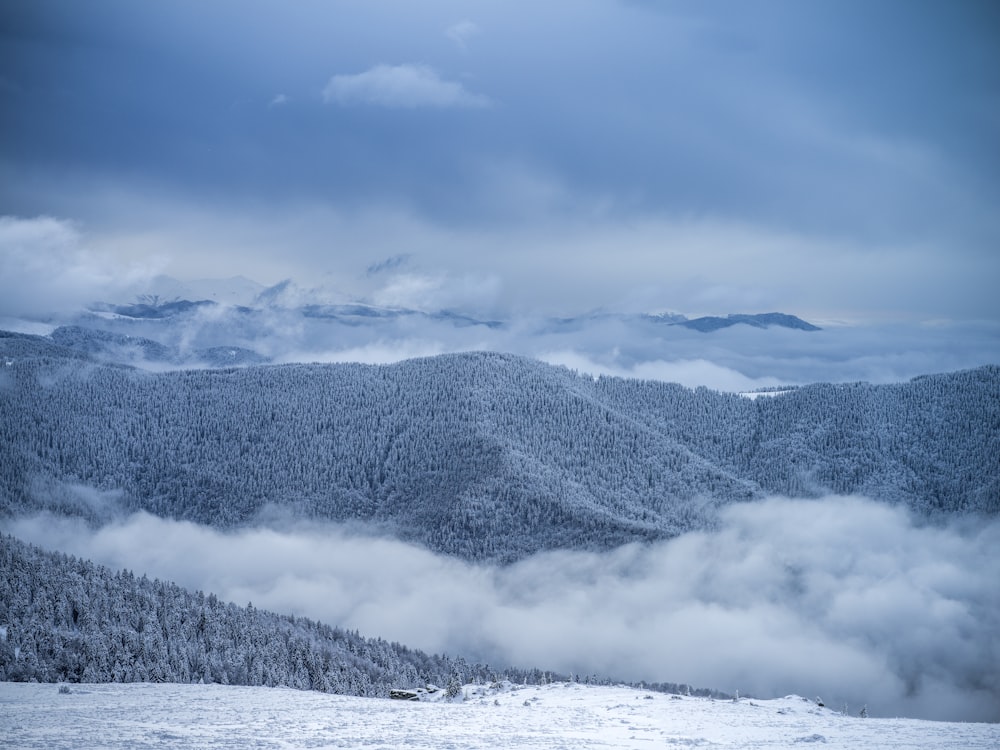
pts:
[842, 597]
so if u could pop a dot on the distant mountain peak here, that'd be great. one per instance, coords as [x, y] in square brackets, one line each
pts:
[236, 290]
[710, 323]
[151, 306]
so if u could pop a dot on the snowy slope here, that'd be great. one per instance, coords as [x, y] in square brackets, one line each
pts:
[560, 715]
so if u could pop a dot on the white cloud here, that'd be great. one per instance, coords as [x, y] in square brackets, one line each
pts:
[842, 597]
[46, 267]
[688, 372]
[438, 291]
[376, 353]
[400, 86]
[461, 32]
[278, 100]
[526, 274]
[556, 250]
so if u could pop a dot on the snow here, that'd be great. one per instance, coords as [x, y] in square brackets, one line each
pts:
[559, 715]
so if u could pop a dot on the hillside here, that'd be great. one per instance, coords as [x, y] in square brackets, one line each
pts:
[484, 456]
[64, 619]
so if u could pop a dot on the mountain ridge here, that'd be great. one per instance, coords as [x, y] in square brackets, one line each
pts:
[708, 324]
[481, 455]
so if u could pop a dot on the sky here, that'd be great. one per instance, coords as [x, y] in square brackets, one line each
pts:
[834, 160]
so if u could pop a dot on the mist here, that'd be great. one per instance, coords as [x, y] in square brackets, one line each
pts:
[738, 358]
[47, 266]
[842, 598]
[51, 271]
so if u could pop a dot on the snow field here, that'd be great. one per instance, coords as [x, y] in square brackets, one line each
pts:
[559, 715]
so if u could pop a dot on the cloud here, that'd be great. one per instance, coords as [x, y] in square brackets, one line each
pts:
[688, 372]
[532, 228]
[46, 268]
[278, 100]
[734, 359]
[532, 279]
[438, 291]
[461, 32]
[684, 113]
[843, 597]
[400, 86]
[375, 353]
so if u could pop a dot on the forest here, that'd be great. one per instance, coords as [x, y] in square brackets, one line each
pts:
[484, 456]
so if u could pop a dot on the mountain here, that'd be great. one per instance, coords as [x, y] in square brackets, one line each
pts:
[235, 322]
[764, 320]
[286, 322]
[233, 291]
[125, 349]
[153, 308]
[482, 455]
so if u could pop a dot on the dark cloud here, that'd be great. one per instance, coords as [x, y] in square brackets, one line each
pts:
[753, 115]
[737, 151]
[841, 597]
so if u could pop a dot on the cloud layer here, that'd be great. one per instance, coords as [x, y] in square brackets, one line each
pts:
[404, 86]
[845, 598]
[452, 312]
[47, 268]
[713, 158]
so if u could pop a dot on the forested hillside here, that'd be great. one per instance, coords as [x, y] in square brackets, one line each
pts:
[68, 620]
[481, 455]
[64, 619]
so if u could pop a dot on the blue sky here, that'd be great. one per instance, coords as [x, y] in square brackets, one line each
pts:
[838, 160]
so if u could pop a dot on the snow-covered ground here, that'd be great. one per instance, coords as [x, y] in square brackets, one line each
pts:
[560, 715]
